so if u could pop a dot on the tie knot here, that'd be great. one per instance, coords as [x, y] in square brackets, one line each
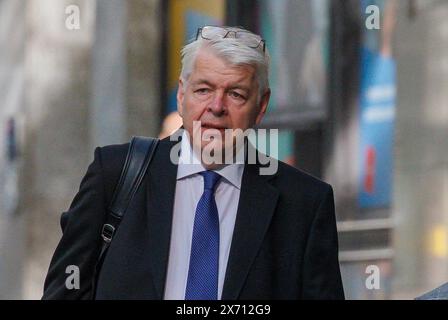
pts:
[210, 179]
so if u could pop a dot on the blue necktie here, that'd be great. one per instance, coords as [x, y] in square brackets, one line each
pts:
[202, 282]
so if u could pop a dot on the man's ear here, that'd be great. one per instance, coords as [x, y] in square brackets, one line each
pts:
[180, 96]
[264, 101]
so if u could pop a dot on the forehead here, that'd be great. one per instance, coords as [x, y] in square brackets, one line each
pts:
[211, 67]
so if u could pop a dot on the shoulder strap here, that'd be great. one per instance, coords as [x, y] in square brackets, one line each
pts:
[140, 153]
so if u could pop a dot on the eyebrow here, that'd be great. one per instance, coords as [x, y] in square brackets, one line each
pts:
[244, 88]
[206, 82]
[202, 81]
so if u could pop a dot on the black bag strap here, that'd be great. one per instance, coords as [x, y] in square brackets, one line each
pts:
[140, 153]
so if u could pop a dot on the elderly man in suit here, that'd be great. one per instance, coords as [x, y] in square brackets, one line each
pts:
[201, 229]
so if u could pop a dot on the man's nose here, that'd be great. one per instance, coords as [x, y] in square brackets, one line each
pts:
[218, 107]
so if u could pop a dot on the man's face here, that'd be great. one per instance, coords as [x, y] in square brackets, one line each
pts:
[221, 96]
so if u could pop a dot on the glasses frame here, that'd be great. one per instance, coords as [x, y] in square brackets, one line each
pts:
[199, 34]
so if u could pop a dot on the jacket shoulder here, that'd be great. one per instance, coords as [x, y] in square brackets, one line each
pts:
[112, 158]
[114, 155]
[297, 177]
[440, 293]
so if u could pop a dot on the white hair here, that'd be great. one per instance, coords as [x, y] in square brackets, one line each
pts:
[235, 51]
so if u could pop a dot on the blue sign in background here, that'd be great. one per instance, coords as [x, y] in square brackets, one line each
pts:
[376, 125]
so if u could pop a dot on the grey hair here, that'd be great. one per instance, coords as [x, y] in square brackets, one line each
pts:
[234, 51]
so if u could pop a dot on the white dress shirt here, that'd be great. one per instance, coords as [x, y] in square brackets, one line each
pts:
[189, 189]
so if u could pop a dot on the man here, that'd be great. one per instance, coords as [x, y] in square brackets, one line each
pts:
[206, 229]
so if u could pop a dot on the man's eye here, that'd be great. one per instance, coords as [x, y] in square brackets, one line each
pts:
[203, 91]
[236, 95]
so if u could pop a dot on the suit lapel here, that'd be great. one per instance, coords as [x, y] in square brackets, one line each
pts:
[256, 206]
[161, 185]
[258, 200]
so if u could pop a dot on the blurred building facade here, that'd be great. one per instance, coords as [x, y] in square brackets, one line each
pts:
[69, 83]
[12, 111]
[84, 73]
[421, 170]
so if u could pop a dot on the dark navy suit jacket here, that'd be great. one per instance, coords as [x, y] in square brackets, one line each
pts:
[284, 244]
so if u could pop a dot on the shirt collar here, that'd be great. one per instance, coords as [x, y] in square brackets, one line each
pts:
[189, 164]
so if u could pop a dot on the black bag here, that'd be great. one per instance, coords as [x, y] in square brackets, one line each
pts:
[140, 153]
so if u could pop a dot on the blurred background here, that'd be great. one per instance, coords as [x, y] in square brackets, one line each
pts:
[359, 96]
